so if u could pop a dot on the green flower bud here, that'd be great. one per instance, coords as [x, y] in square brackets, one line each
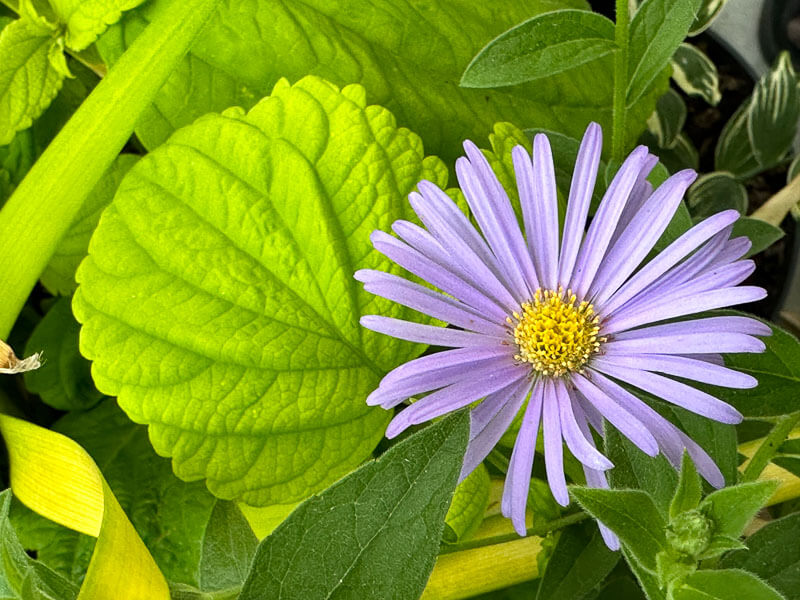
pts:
[689, 533]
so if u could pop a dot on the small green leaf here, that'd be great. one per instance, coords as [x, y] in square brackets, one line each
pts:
[634, 469]
[375, 533]
[218, 301]
[715, 192]
[689, 490]
[761, 233]
[668, 119]
[632, 515]
[578, 564]
[720, 544]
[656, 31]
[21, 577]
[59, 275]
[732, 508]
[708, 11]
[468, 506]
[28, 79]
[64, 380]
[695, 74]
[228, 549]
[86, 19]
[727, 584]
[542, 46]
[773, 554]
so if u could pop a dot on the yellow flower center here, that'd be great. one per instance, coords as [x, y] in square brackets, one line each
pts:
[555, 333]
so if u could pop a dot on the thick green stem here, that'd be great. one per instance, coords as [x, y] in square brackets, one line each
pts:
[769, 446]
[44, 205]
[620, 81]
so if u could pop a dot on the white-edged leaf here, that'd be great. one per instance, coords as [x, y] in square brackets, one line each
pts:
[715, 192]
[709, 10]
[668, 119]
[695, 74]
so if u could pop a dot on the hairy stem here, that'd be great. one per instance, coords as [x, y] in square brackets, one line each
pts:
[620, 81]
[44, 205]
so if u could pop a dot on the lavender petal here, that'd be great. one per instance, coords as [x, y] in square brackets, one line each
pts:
[428, 334]
[553, 446]
[684, 367]
[576, 440]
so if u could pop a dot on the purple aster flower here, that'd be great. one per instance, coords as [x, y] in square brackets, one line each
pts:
[563, 320]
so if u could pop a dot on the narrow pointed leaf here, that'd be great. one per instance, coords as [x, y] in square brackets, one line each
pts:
[374, 534]
[732, 508]
[689, 491]
[727, 584]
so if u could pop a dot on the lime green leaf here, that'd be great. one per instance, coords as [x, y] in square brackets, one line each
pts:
[727, 584]
[409, 57]
[64, 380]
[656, 31]
[29, 79]
[695, 74]
[218, 298]
[689, 490]
[632, 515]
[21, 577]
[540, 47]
[732, 508]
[378, 529]
[715, 192]
[172, 517]
[468, 506]
[86, 19]
[773, 554]
[59, 275]
[578, 564]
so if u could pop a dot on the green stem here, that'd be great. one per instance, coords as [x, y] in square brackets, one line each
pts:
[769, 446]
[620, 81]
[44, 205]
[540, 530]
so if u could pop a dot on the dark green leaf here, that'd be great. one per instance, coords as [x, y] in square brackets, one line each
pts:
[729, 584]
[656, 31]
[761, 233]
[632, 515]
[647, 579]
[228, 549]
[21, 577]
[718, 439]
[542, 46]
[64, 380]
[773, 554]
[732, 508]
[715, 192]
[634, 469]
[695, 74]
[375, 533]
[689, 491]
[734, 151]
[777, 370]
[621, 588]
[668, 119]
[579, 563]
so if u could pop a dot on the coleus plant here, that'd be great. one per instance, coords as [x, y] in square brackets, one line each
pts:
[219, 303]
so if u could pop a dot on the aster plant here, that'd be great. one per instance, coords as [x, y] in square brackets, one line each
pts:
[566, 325]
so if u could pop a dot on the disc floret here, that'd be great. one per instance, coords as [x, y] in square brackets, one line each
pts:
[555, 333]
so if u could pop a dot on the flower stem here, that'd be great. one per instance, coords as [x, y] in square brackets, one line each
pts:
[620, 81]
[769, 446]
